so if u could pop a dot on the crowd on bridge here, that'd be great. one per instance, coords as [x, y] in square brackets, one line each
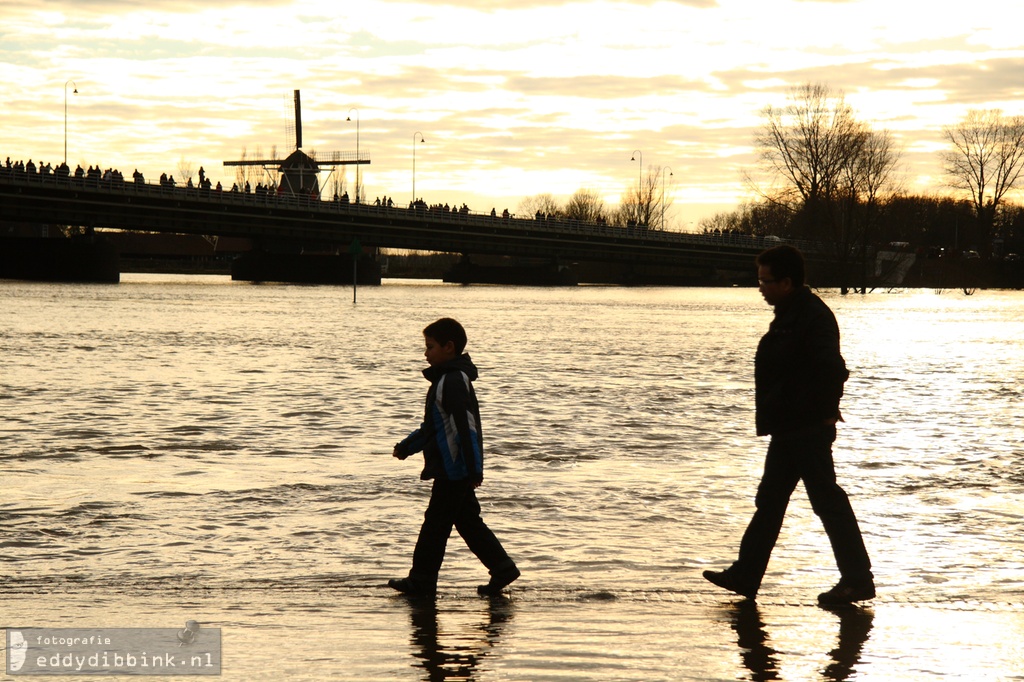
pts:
[97, 177]
[420, 205]
[93, 173]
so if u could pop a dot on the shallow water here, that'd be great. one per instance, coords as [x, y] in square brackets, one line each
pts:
[190, 448]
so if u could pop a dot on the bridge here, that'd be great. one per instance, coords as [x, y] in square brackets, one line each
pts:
[290, 222]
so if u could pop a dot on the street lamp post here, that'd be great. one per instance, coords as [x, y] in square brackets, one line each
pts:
[75, 92]
[640, 176]
[669, 169]
[424, 141]
[639, 181]
[357, 147]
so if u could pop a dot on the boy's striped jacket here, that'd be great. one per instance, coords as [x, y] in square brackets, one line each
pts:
[450, 435]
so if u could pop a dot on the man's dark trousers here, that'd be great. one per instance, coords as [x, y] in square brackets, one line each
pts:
[805, 455]
[454, 503]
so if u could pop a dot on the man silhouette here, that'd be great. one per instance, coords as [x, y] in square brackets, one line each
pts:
[799, 374]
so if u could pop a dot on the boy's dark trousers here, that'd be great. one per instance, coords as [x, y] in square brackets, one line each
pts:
[454, 503]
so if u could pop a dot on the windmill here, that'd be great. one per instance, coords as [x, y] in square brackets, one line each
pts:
[299, 171]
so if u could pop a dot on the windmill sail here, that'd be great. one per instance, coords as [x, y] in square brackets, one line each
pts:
[298, 121]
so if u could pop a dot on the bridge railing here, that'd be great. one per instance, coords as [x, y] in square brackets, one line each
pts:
[429, 215]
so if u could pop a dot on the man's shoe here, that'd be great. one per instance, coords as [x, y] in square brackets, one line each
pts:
[727, 581]
[498, 582]
[847, 593]
[412, 588]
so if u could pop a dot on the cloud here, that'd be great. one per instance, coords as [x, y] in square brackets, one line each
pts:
[488, 5]
[598, 87]
[901, 91]
[514, 97]
[78, 8]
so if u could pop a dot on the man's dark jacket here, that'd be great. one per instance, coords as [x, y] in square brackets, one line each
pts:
[798, 370]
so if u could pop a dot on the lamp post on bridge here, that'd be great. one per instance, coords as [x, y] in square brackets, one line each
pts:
[75, 92]
[637, 154]
[349, 118]
[639, 181]
[669, 169]
[423, 141]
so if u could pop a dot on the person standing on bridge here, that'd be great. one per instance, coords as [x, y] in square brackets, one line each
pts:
[799, 374]
[450, 438]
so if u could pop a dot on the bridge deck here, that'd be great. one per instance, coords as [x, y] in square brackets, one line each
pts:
[313, 223]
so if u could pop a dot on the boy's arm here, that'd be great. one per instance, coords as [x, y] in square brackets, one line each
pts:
[456, 403]
[412, 443]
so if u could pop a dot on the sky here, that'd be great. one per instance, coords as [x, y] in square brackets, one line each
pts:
[512, 98]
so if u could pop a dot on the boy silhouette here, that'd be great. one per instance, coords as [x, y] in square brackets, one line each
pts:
[452, 446]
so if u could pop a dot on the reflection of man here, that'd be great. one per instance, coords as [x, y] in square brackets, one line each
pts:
[465, 651]
[762, 660]
[854, 629]
[757, 653]
[798, 375]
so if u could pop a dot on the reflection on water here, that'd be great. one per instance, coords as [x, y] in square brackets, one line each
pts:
[201, 433]
[757, 654]
[456, 653]
[855, 623]
[763, 661]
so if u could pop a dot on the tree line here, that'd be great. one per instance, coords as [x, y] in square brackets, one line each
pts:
[644, 204]
[825, 176]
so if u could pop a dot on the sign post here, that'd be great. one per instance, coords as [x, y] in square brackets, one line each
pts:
[356, 249]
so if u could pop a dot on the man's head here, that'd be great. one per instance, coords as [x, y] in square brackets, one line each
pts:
[780, 272]
[445, 340]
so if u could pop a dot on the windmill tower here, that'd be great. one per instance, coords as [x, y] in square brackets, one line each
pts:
[299, 173]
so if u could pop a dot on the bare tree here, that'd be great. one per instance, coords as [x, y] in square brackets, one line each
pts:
[185, 169]
[544, 204]
[242, 172]
[807, 144]
[339, 184]
[832, 168]
[249, 174]
[873, 171]
[869, 175]
[585, 205]
[665, 200]
[986, 160]
[720, 222]
[642, 202]
[759, 219]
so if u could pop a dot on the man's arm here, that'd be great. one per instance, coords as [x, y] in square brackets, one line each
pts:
[828, 370]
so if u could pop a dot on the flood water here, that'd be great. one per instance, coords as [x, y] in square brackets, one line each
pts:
[185, 447]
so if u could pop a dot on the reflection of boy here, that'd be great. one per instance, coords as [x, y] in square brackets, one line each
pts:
[450, 439]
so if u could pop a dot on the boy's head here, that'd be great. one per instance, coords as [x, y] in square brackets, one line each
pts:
[445, 340]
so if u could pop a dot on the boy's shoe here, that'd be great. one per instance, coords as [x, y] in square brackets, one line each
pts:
[846, 593]
[727, 581]
[498, 582]
[412, 588]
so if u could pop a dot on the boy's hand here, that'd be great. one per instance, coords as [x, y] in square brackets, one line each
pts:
[476, 482]
[399, 453]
